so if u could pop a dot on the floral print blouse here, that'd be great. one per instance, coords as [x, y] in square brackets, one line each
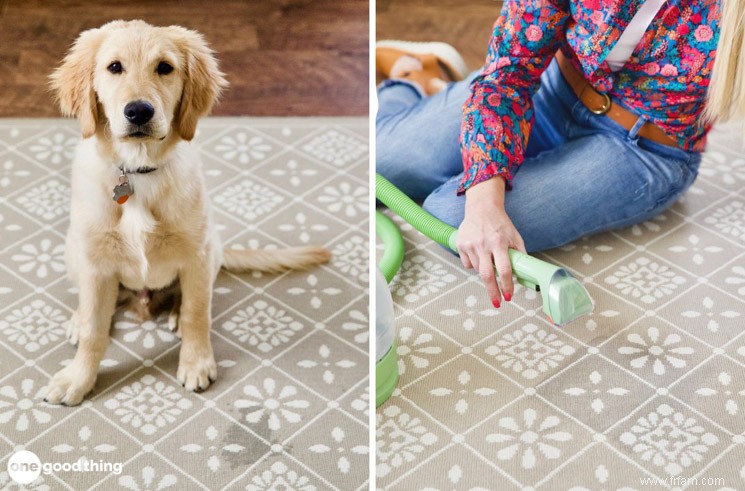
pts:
[664, 81]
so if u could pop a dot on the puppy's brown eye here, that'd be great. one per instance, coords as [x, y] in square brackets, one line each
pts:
[115, 67]
[164, 68]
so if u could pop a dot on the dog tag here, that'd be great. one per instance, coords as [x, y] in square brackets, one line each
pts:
[123, 190]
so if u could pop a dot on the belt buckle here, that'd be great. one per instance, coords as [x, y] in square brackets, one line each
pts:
[605, 108]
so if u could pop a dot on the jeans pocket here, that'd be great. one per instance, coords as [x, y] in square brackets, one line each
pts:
[669, 152]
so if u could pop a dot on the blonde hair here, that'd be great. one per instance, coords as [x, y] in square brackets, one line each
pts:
[726, 95]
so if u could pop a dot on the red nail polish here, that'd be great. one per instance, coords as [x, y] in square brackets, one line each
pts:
[508, 297]
[495, 303]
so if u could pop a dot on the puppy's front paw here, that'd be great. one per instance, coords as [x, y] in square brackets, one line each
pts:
[70, 385]
[196, 372]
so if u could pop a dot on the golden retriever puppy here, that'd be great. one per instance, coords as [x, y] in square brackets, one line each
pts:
[140, 215]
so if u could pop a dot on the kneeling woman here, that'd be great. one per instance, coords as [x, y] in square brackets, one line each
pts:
[582, 120]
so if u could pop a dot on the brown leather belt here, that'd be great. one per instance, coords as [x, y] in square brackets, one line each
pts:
[601, 104]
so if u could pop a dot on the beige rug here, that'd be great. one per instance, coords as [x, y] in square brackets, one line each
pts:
[650, 386]
[290, 407]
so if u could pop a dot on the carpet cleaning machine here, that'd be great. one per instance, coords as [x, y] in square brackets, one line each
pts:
[564, 298]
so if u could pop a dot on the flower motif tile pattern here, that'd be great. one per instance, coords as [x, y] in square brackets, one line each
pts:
[273, 182]
[648, 386]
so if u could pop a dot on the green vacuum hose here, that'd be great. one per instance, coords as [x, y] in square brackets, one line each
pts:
[386, 366]
[564, 298]
[406, 208]
[393, 252]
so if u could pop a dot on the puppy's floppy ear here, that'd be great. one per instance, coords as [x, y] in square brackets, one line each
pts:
[72, 82]
[203, 81]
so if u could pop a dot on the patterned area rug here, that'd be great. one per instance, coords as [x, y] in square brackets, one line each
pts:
[290, 407]
[650, 386]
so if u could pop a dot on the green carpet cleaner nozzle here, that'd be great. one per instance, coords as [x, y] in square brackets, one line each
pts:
[564, 297]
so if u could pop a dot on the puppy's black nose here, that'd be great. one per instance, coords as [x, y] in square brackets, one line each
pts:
[138, 112]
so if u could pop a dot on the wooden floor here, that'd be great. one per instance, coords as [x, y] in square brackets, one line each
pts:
[465, 25]
[282, 57]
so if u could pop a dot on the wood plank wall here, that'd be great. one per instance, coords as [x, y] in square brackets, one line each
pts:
[282, 57]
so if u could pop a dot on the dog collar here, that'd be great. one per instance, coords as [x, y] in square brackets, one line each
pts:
[124, 189]
[139, 170]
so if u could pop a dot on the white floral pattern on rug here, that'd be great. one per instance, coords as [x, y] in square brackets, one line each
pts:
[400, 438]
[595, 392]
[279, 476]
[529, 440]
[738, 280]
[729, 220]
[9, 171]
[293, 173]
[421, 277]
[279, 185]
[724, 390]
[358, 322]
[591, 324]
[415, 350]
[669, 439]
[213, 449]
[248, 199]
[55, 149]
[48, 201]
[330, 363]
[336, 148]
[351, 257]
[263, 326]
[39, 484]
[361, 403]
[34, 325]
[645, 280]
[709, 312]
[588, 250]
[277, 404]
[661, 354]
[19, 405]
[602, 476]
[148, 480]
[675, 273]
[301, 229]
[729, 170]
[315, 292]
[695, 250]
[147, 334]
[41, 260]
[148, 404]
[652, 226]
[462, 389]
[345, 198]
[337, 450]
[243, 148]
[472, 312]
[84, 446]
[530, 351]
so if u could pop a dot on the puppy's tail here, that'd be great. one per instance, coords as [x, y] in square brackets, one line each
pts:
[274, 261]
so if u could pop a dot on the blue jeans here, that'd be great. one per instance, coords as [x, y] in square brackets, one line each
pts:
[582, 173]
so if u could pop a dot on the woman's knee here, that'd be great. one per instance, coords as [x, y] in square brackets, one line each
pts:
[445, 204]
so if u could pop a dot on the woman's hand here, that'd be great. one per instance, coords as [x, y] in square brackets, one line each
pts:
[485, 235]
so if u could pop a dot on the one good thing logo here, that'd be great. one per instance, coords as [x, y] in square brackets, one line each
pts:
[24, 467]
